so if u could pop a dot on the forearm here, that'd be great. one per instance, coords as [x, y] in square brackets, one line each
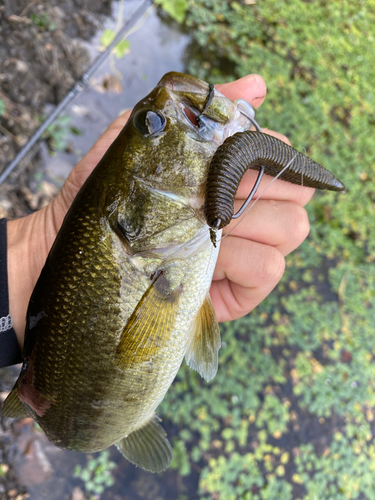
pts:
[27, 252]
[19, 275]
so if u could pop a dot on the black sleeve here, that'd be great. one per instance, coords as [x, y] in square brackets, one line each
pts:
[10, 352]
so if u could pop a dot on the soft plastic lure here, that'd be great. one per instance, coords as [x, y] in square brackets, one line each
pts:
[258, 151]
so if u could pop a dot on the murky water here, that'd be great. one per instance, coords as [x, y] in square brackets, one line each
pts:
[155, 48]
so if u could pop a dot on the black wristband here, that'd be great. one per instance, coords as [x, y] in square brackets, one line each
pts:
[10, 352]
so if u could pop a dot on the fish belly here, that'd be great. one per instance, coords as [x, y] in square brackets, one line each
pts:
[152, 380]
[101, 402]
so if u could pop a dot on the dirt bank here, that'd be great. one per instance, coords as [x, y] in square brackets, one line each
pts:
[42, 54]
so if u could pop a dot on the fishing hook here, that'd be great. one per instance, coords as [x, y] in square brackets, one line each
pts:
[217, 222]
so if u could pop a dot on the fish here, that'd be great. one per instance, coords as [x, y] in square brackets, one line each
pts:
[123, 296]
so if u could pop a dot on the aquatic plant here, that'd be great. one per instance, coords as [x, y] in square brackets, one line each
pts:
[290, 413]
[97, 475]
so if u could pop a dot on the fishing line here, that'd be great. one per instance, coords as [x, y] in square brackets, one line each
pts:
[262, 192]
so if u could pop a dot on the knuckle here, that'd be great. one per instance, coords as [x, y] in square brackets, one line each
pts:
[272, 268]
[285, 139]
[301, 225]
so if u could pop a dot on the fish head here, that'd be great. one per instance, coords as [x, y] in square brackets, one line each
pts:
[151, 182]
[177, 128]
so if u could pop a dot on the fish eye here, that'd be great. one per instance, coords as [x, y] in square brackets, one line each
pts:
[149, 122]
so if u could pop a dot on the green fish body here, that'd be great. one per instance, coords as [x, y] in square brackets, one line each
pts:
[124, 293]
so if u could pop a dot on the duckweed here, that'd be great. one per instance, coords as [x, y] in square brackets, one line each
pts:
[291, 411]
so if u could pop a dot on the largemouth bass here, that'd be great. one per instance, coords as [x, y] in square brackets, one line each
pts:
[124, 293]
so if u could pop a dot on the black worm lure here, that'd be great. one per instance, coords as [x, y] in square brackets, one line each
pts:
[262, 152]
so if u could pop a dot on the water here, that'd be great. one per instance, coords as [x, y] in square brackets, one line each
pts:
[156, 47]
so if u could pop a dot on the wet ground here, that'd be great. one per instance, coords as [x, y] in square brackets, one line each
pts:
[45, 47]
[156, 47]
[42, 53]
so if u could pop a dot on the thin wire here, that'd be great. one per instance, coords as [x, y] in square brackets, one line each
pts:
[251, 195]
[252, 120]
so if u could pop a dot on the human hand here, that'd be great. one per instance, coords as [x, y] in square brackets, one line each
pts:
[251, 259]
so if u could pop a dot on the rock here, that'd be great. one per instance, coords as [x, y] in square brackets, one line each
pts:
[18, 19]
[21, 66]
[4, 469]
[21, 139]
[112, 84]
[80, 110]
[36, 468]
[78, 494]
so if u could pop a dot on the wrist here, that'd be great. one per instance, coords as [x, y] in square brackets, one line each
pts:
[19, 280]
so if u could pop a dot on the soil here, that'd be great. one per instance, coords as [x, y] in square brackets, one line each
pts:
[42, 55]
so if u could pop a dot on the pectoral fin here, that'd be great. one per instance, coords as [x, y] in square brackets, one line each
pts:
[150, 325]
[13, 407]
[204, 343]
[148, 447]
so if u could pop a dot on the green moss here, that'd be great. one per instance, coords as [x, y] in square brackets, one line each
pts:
[302, 363]
[344, 470]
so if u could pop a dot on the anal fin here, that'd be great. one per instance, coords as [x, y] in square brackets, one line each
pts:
[204, 343]
[13, 407]
[148, 447]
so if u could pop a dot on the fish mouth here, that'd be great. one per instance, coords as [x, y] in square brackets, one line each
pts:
[209, 128]
[205, 110]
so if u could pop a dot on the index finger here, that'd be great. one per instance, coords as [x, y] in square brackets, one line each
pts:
[252, 88]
